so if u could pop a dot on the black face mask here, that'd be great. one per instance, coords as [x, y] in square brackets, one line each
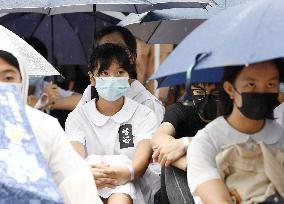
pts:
[259, 106]
[206, 107]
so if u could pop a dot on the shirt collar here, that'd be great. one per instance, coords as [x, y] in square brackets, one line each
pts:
[90, 109]
[126, 112]
[122, 116]
[270, 134]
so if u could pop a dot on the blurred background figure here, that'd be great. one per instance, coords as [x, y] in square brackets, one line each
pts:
[45, 95]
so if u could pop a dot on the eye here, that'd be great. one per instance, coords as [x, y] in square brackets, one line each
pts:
[251, 85]
[104, 73]
[272, 85]
[121, 72]
[9, 78]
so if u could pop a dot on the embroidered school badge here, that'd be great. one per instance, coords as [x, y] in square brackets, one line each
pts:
[125, 136]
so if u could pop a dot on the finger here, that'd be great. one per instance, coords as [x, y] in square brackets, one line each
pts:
[100, 166]
[108, 181]
[163, 161]
[169, 161]
[160, 157]
[97, 173]
[156, 154]
[155, 147]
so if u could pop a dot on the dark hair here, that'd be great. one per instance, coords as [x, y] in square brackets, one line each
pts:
[105, 54]
[9, 58]
[127, 36]
[231, 73]
[38, 45]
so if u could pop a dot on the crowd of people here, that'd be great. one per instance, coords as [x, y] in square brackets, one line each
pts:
[120, 145]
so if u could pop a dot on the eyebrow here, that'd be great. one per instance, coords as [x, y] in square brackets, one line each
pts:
[8, 71]
[253, 79]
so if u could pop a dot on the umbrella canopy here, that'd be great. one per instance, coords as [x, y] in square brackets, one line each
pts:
[69, 6]
[25, 176]
[68, 37]
[169, 26]
[244, 34]
[9, 41]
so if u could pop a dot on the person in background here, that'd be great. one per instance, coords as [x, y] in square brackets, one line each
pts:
[181, 122]
[48, 96]
[71, 173]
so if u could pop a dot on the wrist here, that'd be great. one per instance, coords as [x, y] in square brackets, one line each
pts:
[131, 172]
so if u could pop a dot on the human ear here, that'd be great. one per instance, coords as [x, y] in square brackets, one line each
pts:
[92, 78]
[229, 89]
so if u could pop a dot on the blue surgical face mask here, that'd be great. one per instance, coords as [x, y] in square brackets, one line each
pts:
[111, 88]
[34, 80]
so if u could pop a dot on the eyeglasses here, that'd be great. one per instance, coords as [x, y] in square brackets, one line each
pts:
[200, 94]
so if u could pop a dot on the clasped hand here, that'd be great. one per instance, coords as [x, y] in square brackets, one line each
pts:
[110, 176]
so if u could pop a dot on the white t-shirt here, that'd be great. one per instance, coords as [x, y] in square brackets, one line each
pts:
[109, 135]
[71, 173]
[208, 142]
[138, 93]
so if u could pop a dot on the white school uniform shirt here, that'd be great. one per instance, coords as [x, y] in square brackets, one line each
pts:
[138, 93]
[208, 142]
[102, 135]
[71, 173]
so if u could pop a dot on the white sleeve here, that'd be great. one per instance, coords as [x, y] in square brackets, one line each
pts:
[146, 126]
[201, 160]
[71, 172]
[73, 128]
[156, 106]
[64, 93]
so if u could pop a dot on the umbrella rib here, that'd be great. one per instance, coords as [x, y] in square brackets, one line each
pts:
[136, 9]
[38, 24]
[160, 22]
[80, 40]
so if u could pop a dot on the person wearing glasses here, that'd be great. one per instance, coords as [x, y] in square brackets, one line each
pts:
[181, 122]
[113, 132]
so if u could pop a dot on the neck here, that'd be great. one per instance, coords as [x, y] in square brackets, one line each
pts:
[243, 124]
[109, 108]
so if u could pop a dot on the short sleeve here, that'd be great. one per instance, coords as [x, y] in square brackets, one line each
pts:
[73, 128]
[64, 93]
[146, 125]
[70, 171]
[175, 114]
[201, 160]
[157, 107]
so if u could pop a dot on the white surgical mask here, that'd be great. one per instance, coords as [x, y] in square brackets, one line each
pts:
[111, 88]
[18, 86]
